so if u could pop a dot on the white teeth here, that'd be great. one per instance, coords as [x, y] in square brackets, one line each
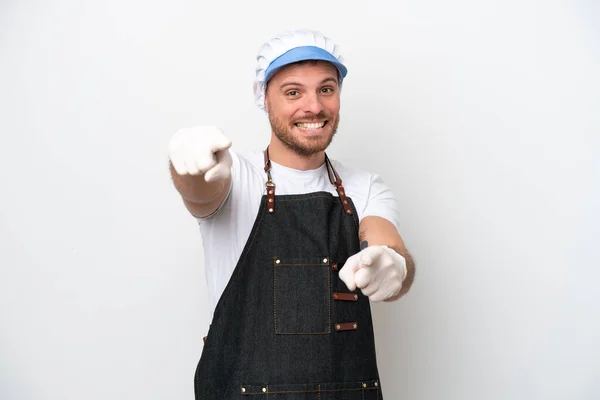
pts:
[316, 125]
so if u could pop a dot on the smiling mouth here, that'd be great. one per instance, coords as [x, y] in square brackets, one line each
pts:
[310, 126]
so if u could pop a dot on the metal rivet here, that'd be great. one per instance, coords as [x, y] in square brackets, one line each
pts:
[337, 327]
[270, 210]
[355, 297]
[354, 326]
[243, 390]
[364, 385]
[335, 296]
[270, 192]
[341, 192]
[349, 212]
[334, 266]
[270, 200]
[376, 384]
[345, 201]
[325, 261]
[264, 390]
[277, 261]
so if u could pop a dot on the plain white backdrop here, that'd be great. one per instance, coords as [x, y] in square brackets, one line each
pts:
[481, 115]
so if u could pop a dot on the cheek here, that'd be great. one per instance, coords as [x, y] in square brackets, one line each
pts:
[333, 105]
[286, 114]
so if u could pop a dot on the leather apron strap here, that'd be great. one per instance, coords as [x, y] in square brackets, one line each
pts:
[334, 178]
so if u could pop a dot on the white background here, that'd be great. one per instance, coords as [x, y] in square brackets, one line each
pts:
[481, 115]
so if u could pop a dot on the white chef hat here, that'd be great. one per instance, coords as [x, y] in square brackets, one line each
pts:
[291, 47]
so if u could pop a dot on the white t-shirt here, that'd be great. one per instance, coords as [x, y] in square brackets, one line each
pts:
[225, 232]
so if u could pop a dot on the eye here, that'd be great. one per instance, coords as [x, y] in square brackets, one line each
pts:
[327, 90]
[292, 93]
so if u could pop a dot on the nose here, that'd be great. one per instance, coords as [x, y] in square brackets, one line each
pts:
[313, 104]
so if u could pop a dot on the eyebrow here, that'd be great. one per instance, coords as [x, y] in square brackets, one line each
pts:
[329, 79]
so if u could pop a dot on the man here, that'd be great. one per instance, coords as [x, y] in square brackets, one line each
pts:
[293, 256]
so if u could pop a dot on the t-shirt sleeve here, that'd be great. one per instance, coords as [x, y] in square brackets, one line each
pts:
[381, 202]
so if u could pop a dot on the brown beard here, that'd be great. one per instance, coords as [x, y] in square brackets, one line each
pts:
[313, 145]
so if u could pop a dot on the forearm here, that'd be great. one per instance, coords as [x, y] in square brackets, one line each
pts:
[378, 231]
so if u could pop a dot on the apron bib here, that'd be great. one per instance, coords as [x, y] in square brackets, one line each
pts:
[286, 327]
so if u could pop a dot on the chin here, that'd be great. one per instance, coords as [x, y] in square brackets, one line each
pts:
[315, 145]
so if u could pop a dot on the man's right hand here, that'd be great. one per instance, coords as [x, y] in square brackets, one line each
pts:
[201, 150]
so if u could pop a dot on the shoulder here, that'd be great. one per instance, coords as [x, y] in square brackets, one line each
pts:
[354, 179]
[370, 194]
[247, 173]
[248, 162]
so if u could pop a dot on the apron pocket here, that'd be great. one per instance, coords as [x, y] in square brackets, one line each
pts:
[301, 303]
[367, 390]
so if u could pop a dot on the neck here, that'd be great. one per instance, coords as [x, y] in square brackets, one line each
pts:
[283, 155]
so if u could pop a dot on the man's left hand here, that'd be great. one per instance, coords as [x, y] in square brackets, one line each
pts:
[377, 270]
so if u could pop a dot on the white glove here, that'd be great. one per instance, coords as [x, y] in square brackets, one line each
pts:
[377, 270]
[201, 150]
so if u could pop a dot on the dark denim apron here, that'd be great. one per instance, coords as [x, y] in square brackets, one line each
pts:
[286, 327]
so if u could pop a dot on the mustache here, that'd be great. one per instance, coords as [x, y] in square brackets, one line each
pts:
[313, 117]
